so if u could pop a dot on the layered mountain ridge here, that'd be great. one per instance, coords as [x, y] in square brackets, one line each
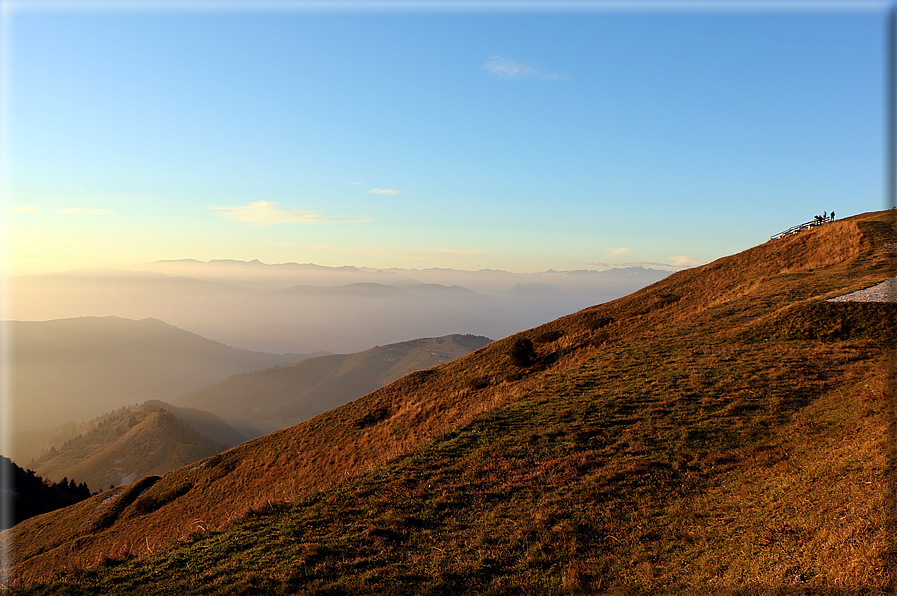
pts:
[286, 395]
[136, 441]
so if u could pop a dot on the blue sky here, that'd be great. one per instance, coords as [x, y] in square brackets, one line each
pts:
[515, 139]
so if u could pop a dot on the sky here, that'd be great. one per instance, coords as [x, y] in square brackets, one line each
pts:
[519, 137]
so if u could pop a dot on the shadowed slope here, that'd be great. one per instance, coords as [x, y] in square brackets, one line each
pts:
[673, 439]
[72, 369]
[286, 395]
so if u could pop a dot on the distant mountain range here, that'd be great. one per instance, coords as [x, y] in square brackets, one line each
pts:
[305, 308]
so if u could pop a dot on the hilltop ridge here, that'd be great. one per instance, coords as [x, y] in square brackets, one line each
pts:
[684, 437]
[136, 441]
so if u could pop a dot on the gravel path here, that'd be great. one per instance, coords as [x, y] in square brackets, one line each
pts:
[886, 291]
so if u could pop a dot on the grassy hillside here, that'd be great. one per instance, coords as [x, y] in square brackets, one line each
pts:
[286, 395]
[723, 430]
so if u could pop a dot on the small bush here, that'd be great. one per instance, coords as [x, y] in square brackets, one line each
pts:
[478, 383]
[373, 417]
[522, 353]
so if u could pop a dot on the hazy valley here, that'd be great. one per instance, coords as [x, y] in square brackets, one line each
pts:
[120, 348]
[75, 369]
[307, 308]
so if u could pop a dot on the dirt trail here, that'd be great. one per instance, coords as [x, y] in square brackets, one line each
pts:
[886, 291]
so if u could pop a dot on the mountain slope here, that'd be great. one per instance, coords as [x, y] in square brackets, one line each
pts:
[36, 443]
[286, 395]
[72, 369]
[722, 429]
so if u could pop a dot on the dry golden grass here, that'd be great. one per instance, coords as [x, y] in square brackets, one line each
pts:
[719, 430]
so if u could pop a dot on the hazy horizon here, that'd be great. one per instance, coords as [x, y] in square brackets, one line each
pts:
[308, 308]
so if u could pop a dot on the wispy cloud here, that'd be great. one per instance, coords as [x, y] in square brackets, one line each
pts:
[268, 214]
[23, 209]
[506, 68]
[78, 211]
[685, 262]
[355, 183]
[384, 191]
[618, 251]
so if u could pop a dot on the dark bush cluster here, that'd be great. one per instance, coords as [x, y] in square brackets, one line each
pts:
[521, 352]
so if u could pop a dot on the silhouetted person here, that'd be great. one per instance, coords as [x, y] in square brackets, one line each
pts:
[833, 216]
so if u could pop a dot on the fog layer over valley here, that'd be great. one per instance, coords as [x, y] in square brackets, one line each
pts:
[308, 308]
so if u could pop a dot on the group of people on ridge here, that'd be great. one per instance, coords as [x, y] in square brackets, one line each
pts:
[824, 217]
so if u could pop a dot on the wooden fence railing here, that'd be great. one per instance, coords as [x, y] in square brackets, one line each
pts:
[801, 227]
